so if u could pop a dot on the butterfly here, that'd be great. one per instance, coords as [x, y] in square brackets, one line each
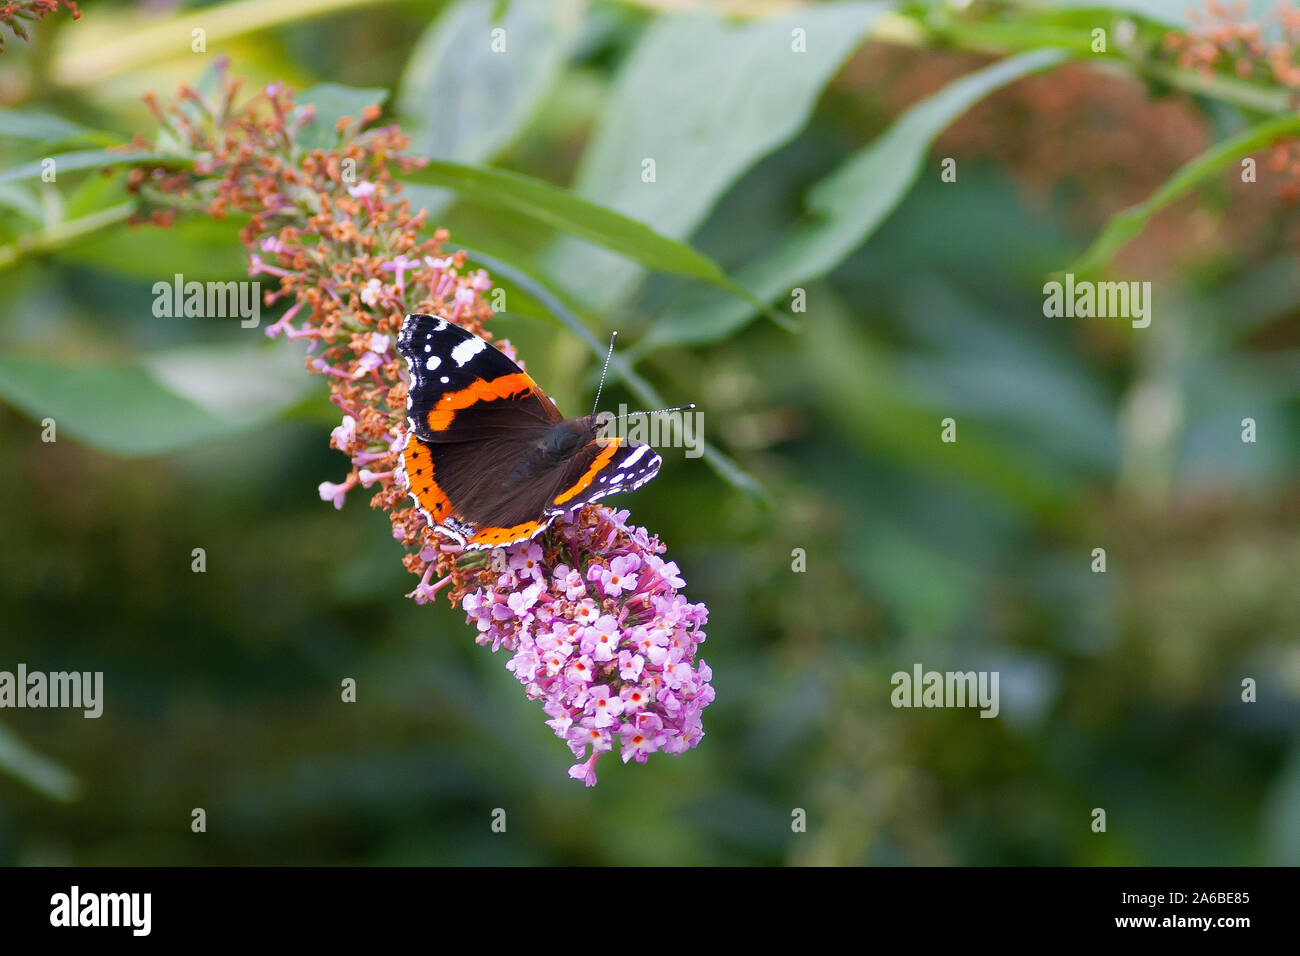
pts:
[489, 460]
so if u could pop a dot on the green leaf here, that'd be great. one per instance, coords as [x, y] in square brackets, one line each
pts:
[169, 402]
[88, 159]
[332, 102]
[844, 209]
[41, 127]
[115, 408]
[199, 247]
[1127, 225]
[878, 409]
[36, 770]
[1173, 13]
[22, 201]
[66, 234]
[705, 99]
[1281, 822]
[470, 122]
[565, 212]
[96, 193]
[243, 384]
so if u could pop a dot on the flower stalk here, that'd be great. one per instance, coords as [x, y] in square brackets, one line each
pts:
[593, 616]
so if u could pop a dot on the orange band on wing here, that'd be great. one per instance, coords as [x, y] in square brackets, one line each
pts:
[479, 390]
[419, 475]
[611, 446]
[500, 536]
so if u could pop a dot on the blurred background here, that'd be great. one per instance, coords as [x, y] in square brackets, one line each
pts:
[922, 301]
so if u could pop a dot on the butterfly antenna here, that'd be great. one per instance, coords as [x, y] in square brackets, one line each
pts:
[660, 411]
[608, 355]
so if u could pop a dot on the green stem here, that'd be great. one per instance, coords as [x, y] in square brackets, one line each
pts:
[1002, 38]
[65, 233]
[87, 59]
[1127, 225]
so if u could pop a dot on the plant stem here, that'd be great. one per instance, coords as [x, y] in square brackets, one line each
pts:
[90, 60]
[998, 39]
[63, 234]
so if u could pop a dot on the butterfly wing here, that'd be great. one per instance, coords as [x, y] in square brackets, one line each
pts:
[457, 486]
[463, 388]
[476, 422]
[605, 466]
[472, 415]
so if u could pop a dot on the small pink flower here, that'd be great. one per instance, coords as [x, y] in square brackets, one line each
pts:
[367, 364]
[639, 742]
[337, 493]
[369, 477]
[667, 571]
[344, 435]
[604, 706]
[634, 698]
[586, 771]
[586, 612]
[601, 639]
[581, 670]
[618, 577]
[399, 267]
[560, 725]
[521, 601]
[371, 292]
[571, 581]
[528, 562]
[630, 665]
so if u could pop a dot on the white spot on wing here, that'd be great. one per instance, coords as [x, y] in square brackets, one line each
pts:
[432, 362]
[635, 456]
[466, 350]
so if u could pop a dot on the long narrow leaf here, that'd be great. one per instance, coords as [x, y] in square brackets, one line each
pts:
[846, 207]
[1127, 225]
[567, 213]
[87, 159]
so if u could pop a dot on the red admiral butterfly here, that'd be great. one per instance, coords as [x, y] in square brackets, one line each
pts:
[489, 460]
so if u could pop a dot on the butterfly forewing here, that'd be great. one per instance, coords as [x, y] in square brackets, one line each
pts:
[462, 387]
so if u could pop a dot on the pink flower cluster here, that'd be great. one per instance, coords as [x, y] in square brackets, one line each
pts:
[605, 640]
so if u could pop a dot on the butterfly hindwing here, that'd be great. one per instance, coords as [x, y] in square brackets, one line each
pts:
[604, 467]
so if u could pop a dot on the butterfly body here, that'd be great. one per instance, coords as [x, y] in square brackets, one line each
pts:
[489, 460]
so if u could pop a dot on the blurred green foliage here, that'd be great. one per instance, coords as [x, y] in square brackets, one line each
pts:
[923, 301]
